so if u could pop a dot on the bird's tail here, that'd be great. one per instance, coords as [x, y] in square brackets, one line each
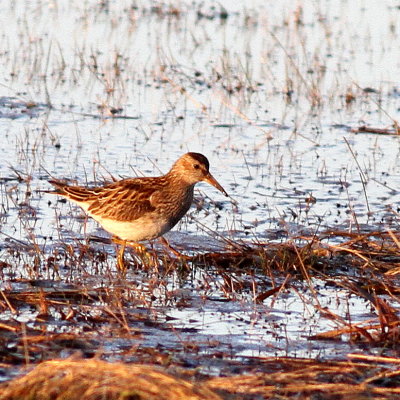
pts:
[59, 185]
[78, 194]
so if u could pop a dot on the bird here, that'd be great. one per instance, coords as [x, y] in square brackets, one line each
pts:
[142, 208]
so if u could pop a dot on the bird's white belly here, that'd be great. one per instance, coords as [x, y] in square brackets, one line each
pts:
[141, 229]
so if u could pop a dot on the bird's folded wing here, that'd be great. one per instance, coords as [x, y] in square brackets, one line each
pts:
[122, 200]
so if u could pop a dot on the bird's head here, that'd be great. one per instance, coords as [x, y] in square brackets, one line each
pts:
[194, 168]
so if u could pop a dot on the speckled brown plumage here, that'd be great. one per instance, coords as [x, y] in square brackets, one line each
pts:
[138, 209]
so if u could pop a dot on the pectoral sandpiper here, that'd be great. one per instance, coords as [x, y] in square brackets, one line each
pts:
[137, 209]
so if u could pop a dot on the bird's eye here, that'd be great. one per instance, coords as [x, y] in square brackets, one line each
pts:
[196, 166]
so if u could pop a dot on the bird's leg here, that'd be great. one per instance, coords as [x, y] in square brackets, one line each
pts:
[141, 251]
[173, 250]
[120, 256]
[121, 252]
[121, 259]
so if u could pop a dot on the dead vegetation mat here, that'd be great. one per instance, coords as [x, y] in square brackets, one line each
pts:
[287, 379]
[365, 265]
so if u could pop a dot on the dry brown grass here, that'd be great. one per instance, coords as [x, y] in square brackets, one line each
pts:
[302, 378]
[95, 380]
[310, 379]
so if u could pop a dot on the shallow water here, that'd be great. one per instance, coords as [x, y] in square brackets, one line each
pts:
[92, 91]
